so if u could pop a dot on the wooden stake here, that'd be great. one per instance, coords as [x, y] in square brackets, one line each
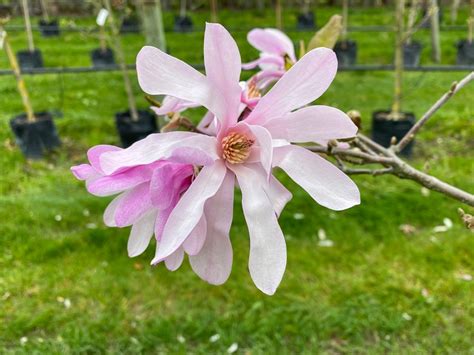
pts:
[123, 65]
[345, 15]
[213, 10]
[44, 10]
[396, 107]
[152, 21]
[30, 116]
[435, 41]
[29, 33]
[279, 22]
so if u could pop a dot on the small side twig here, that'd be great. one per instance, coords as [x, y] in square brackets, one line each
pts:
[410, 135]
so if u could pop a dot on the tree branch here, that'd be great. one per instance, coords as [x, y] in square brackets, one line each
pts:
[438, 104]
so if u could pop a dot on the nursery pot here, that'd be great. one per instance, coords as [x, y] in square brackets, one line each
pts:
[132, 131]
[35, 138]
[183, 24]
[129, 25]
[306, 21]
[412, 54]
[465, 54]
[102, 58]
[383, 129]
[30, 60]
[49, 28]
[346, 52]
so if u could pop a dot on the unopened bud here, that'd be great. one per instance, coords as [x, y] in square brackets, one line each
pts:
[467, 219]
[355, 117]
[393, 140]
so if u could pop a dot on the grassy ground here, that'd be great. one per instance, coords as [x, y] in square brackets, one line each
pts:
[67, 286]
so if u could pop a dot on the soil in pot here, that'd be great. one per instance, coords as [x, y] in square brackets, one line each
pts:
[30, 60]
[132, 131]
[35, 138]
[49, 28]
[306, 21]
[130, 25]
[465, 54]
[101, 58]
[383, 129]
[412, 54]
[183, 24]
[346, 52]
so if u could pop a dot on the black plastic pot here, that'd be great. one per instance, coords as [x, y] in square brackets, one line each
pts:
[49, 29]
[383, 129]
[102, 58]
[30, 60]
[346, 52]
[465, 54]
[412, 54]
[183, 24]
[131, 131]
[130, 25]
[306, 21]
[35, 138]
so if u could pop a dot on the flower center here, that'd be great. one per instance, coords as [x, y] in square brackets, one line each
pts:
[252, 90]
[236, 148]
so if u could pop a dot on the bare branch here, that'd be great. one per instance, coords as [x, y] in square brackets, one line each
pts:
[414, 130]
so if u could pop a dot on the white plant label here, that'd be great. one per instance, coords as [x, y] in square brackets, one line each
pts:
[3, 34]
[102, 17]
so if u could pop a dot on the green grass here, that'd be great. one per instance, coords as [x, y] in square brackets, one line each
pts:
[350, 298]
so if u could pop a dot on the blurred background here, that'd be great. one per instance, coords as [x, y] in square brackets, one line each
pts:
[381, 277]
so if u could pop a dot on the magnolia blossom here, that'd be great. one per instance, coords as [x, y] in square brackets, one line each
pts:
[277, 54]
[146, 196]
[242, 152]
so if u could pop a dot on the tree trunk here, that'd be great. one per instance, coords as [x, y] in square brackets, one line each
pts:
[29, 33]
[121, 60]
[152, 21]
[396, 107]
[435, 42]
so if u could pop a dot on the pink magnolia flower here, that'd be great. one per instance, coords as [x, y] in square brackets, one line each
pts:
[277, 54]
[146, 196]
[242, 152]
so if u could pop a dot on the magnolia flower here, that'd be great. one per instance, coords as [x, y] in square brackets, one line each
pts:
[242, 152]
[277, 54]
[147, 195]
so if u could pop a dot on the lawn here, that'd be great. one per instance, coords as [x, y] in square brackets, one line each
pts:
[67, 285]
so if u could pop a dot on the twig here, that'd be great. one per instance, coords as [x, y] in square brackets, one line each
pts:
[414, 130]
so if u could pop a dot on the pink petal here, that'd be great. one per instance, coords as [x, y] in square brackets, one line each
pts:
[272, 41]
[161, 220]
[94, 153]
[172, 104]
[193, 244]
[278, 195]
[326, 184]
[273, 61]
[133, 206]
[166, 181]
[161, 74]
[140, 236]
[162, 146]
[174, 261]
[214, 262]
[84, 172]
[267, 260]
[312, 124]
[109, 213]
[264, 140]
[223, 65]
[307, 80]
[189, 209]
[112, 184]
